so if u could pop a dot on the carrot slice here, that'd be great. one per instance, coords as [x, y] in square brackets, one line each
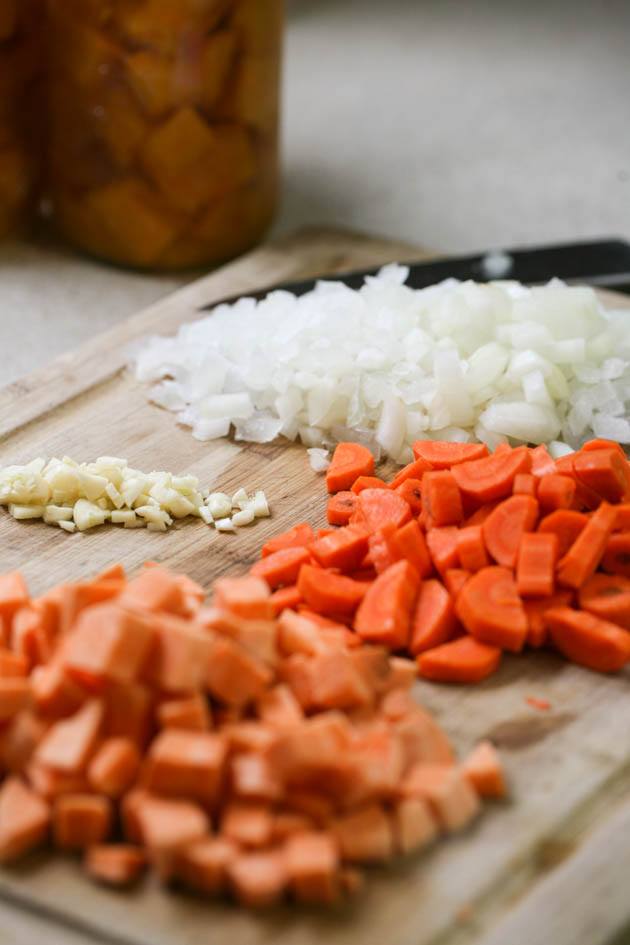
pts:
[411, 491]
[566, 525]
[329, 593]
[535, 569]
[586, 552]
[344, 549]
[285, 597]
[535, 609]
[464, 660]
[442, 544]
[299, 536]
[384, 614]
[484, 770]
[349, 461]
[479, 516]
[542, 463]
[378, 507]
[616, 558]
[505, 527]
[340, 508]
[556, 492]
[605, 471]
[471, 548]
[587, 640]
[622, 522]
[600, 444]
[24, 819]
[492, 477]
[368, 482]
[433, 618]
[608, 597]
[455, 579]
[409, 543]
[585, 498]
[525, 484]
[442, 455]
[491, 610]
[282, 567]
[415, 470]
[442, 498]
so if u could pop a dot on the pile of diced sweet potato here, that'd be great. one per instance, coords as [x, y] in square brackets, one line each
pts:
[230, 749]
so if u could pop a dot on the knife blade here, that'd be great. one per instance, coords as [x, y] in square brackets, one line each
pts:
[601, 263]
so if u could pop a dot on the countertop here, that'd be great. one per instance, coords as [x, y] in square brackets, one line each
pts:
[455, 124]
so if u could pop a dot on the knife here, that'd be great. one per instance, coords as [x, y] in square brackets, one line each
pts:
[601, 263]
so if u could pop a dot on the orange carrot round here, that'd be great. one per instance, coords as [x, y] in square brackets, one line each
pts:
[505, 526]
[491, 610]
[465, 660]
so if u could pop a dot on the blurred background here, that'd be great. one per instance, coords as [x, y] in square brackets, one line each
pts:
[458, 125]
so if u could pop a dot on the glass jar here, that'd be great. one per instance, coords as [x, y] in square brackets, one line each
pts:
[20, 23]
[163, 127]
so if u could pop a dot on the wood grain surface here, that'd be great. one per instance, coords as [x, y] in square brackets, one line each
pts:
[516, 874]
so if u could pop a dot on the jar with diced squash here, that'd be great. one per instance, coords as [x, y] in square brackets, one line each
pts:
[20, 25]
[163, 127]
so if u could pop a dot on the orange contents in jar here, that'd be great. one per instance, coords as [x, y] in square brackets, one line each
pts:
[163, 126]
[19, 65]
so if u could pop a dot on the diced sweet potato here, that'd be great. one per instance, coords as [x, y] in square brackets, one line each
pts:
[414, 825]
[179, 660]
[483, 769]
[15, 694]
[449, 794]
[313, 866]
[203, 864]
[114, 767]
[109, 643]
[364, 836]
[117, 865]
[187, 764]
[233, 675]
[24, 820]
[258, 879]
[246, 597]
[247, 824]
[81, 820]
[68, 744]
[167, 825]
[191, 713]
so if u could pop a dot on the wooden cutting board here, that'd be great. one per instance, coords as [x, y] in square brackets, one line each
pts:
[550, 865]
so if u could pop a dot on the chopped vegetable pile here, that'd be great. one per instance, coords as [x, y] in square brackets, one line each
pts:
[79, 496]
[467, 554]
[227, 747]
[388, 364]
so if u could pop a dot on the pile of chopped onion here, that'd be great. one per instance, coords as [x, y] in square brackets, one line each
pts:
[387, 365]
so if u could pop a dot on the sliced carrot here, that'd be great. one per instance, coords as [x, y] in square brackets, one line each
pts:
[542, 463]
[114, 767]
[285, 597]
[329, 593]
[368, 482]
[68, 745]
[442, 545]
[616, 557]
[415, 470]
[556, 492]
[455, 579]
[245, 597]
[13, 593]
[600, 444]
[505, 527]
[566, 525]
[378, 507]
[349, 461]
[535, 609]
[471, 548]
[491, 610]
[299, 536]
[341, 508]
[443, 455]
[492, 477]
[442, 498]
[585, 498]
[605, 471]
[484, 770]
[608, 597]
[464, 660]
[588, 640]
[81, 821]
[535, 568]
[479, 516]
[411, 491]
[118, 865]
[409, 543]
[586, 552]
[345, 549]
[364, 836]
[282, 567]
[450, 795]
[312, 861]
[384, 614]
[433, 620]
[24, 820]
[525, 484]
[622, 522]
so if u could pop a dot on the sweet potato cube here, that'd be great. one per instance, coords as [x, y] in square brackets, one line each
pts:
[247, 824]
[81, 820]
[114, 767]
[258, 879]
[118, 865]
[233, 676]
[253, 778]
[192, 713]
[24, 820]
[337, 682]
[108, 643]
[449, 794]
[166, 826]
[155, 589]
[246, 597]
[203, 864]
[15, 694]
[128, 711]
[56, 695]
[484, 770]
[13, 593]
[180, 657]
[19, 739]
[279, 707]
[68, 744]
[414, 825]
[313, 867]
[364, 835]
[50, 783]
[187, 764]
